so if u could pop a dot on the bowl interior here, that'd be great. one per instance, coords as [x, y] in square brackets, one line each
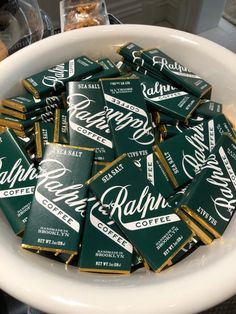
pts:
[203, 279]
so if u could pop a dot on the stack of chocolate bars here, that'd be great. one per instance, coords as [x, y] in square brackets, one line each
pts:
[106, 166]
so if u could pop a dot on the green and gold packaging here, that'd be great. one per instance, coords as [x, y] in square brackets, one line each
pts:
[131, 53]
[17, 181]
[127, 116]
[61, 127]
[177, 73]
[162, 96]
[215, 210]
[87, 120]
[183, 155]
[44, 133]
[53, 80]
[58, 209]
[27, 103]
[104, 246]
[140, 211]
[202, 234]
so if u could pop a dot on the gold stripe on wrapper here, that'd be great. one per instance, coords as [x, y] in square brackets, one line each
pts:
[56, 126]
[30, 88]
[200, 221]
[105, 169]
[200, 233]
[169, 173]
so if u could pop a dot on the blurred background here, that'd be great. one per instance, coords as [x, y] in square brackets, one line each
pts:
[213, 19]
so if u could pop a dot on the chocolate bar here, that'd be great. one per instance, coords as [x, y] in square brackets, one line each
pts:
[58, 209]
[215, 210]
[87, 121]
[140, 211]
[104, 246]
[177, 73]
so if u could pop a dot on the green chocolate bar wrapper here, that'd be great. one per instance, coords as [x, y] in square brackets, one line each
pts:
[61, 127]
[127, 116]
[53, 80]
[104, 246]
[162, 96]
[140, 211]
[215, 210]
[87, 120]
[17, 181]
[133, 60]
[177, 73]
[57, 214]
[183, 155]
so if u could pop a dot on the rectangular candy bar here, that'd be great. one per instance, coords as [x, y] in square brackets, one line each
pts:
[57, 214]
[43, 134]
[22, 125]
[87, 121]
[22, 115]
[133, 59]
[162, 96]
[177, 73]
[215, 210]
[27, 103]
[109, 69]
[17, 181]
[61, 127]
[53, 80]
[127, 116]
[104, 246]
[183, 155]
[140, 211]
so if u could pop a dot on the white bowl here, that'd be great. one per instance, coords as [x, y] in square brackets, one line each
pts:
[205, 278]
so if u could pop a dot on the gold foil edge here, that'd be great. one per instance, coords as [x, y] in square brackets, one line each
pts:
[56, 126]
[48, 249]
[199, 232]
[13, 113]
[30, 88]
[105, 169]
[13, 105]
[38, 141]
[169, 173]
[74, 147]
[202, 222]
[110, 271]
